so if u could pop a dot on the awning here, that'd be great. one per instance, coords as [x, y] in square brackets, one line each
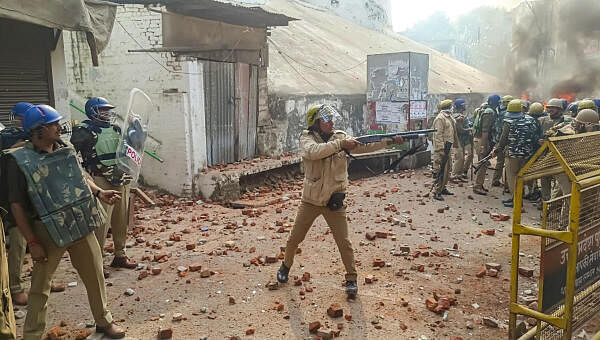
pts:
[94, 17]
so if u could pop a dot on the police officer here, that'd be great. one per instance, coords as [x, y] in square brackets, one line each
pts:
[10, 138]
[462, 162]
[97, 140]
[555, 117]
[46, 181]
[7, 316]
[325, 182]
[444, 139]
[498, 125]
[520, 135]
[483, 130]
[536, 111]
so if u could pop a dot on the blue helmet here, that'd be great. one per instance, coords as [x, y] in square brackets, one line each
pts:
[19, 110]
[92, 110]
[573, 108]
[39, 115]
[565, 103]
[597, 102]
[460, 104]
[494, 100]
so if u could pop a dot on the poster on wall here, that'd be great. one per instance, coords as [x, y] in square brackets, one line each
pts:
[418, 109]
[391, 112]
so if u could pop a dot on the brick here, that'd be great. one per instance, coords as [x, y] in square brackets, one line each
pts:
[369, 279]
[195, 267]
[270, 259]
[404, 249]
[379, 263]
[205, 273]
[381, 234]
[481, 272]
[306, 276]
[492, 272]
[335, 311]
[491, 265]
[489, 232]
[325, 334]
[190, 246]
[527, 272]
[490, 322]
[314, 326]
[431, 304]
[250, 331]
[166, 333]
[348, 317]
[370, 236]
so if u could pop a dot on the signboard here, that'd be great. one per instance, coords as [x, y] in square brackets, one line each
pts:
[418, 109]
[391, 112]
[554, 267]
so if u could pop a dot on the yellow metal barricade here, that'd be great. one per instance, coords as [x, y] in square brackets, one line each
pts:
[569, 284]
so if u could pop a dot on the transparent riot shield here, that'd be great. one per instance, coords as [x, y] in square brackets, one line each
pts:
[134, 132]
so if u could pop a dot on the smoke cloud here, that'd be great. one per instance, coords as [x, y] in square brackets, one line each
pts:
[550, 39]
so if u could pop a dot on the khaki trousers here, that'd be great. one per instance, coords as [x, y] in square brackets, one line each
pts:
[462, 160]
[499, 167]
[483, 149]
[440, 184]
[513, 166]
[16, 257]
[7, 317]
[86, 258]
[307, 213]
[118, 217]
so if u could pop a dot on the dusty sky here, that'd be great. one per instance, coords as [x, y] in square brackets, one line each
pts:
[406, 13]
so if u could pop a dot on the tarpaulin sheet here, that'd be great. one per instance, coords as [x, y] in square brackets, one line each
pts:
[94, 17]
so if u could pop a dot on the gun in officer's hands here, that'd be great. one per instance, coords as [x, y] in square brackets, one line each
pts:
[483, 162]
[405, 135]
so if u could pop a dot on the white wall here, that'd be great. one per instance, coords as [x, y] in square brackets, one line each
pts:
[59, 78]
[177, 132]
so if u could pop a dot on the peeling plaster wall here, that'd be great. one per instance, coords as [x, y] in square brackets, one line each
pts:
[287, 116]
[373, 14]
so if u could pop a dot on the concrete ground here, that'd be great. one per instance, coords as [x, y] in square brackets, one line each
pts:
[213, 277]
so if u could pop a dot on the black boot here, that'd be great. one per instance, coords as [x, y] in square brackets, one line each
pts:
[509, 204]
[282, 273]
[438, 197]
[446, 192]
[351, 288]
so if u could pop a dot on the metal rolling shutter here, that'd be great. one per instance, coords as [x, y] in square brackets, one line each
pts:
[25, 70]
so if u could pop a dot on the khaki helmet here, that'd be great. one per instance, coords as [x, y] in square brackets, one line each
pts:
[536, 108]
[506, 99]
[555, 102]
[587, 116]
[514, 105]
[586, 104]
[445, 104]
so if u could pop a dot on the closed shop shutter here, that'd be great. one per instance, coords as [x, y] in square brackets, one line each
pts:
[25, 71]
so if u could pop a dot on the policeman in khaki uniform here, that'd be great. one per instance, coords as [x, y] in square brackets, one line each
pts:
[555, 116]
[520, 135]
[55, 208]
[97, 140]
[483, 129]
[463, 154]
[7, 316]
[444, 139]
[323, 153]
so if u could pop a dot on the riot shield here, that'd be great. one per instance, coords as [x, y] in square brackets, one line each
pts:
[134, 131]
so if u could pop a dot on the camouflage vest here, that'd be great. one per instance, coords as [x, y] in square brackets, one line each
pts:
[522, 137]
[59, 193]
[497, 126]
[479, 113]
[10, 136]
[106, 144]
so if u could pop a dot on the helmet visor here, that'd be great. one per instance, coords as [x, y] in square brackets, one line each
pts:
[327, 114]
[106, 115]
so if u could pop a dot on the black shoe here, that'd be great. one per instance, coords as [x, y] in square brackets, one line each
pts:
[446, 192]
[507, 201]
[351, 288]
[438, 197]
[282, 273]
[509, 204]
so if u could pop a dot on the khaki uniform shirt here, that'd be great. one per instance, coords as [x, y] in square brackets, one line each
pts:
[325, 165]
[445, 125]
